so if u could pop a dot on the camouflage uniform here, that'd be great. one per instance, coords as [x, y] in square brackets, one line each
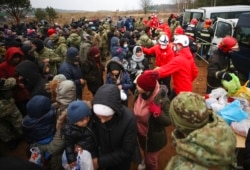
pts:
[139, 24]
[209, 141]
[54, 59]
[74, 40]
[84, 47]
[144, 40]
[104, 43]
[96, 40]
[61, 48]
[10, 116]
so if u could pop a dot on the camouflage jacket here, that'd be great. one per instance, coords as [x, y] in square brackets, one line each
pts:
[54, 59]
[210, 147]
[61, 48]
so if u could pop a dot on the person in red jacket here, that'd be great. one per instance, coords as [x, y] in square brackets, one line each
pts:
[163, 55]
[182, 67]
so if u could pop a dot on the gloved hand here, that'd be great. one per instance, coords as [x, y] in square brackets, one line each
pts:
[224, 76]
[155, 109]
[154, 74]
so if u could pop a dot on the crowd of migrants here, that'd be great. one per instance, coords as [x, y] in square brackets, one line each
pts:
[44, 69]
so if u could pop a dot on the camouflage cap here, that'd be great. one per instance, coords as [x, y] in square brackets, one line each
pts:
[188, 112]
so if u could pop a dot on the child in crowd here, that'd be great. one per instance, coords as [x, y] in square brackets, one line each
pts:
[136, 64]
[39, 125]
[78, 135]
[116, 74]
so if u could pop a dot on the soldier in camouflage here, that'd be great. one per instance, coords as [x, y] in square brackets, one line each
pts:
[46, 55]
[60, 46]
[104, 43]
[10, 116]
[202, 139]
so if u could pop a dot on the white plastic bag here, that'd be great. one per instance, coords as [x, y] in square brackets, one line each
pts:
[83, 162]
[241, 128]
[123, 95]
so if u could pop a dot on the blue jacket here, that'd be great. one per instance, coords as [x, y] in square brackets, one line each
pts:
[72, 72]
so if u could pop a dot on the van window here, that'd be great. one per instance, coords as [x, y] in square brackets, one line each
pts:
[242, 35]
[227, 15]
[190, 15]
[223, 29]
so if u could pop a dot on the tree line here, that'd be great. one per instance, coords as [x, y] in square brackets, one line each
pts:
[18, 9]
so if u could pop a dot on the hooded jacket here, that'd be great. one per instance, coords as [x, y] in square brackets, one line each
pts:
[39, 123]
[116, 49]
[33, 80]
[65, 93]
[183, 70]
[210, 147]
[135, 65]
[72, 72]
[6, 68]
[123, 78]
[118, 137]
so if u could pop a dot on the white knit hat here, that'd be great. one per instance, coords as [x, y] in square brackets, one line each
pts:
[103, 110]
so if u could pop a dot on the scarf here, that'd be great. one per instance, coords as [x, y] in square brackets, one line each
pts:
[141, 111]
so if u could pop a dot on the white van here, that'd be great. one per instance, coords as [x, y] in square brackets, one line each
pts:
[226, 12]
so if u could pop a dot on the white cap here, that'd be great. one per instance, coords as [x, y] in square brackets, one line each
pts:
[103, 110]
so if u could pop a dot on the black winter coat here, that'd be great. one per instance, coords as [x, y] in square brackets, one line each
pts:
[82, 136]
[117, 138]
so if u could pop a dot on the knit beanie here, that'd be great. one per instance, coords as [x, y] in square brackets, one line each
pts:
[38, 43]
[38, 106]
[147, 81]
[93, 51]
[72, 54]
[114, 66]
[77, 110]
[50, 32]
[188, 112]
[103, 110]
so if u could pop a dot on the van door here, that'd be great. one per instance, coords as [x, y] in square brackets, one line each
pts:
[222, 27]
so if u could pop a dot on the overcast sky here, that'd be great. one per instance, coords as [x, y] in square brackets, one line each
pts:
[93, 5]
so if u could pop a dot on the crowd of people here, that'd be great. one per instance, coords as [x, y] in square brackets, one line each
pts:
[44, 69]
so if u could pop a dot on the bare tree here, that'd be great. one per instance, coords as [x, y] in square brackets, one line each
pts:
[15, 8]
[145, 5]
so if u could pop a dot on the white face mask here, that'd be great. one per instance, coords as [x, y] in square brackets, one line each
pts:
[125, 45]
[163, 47]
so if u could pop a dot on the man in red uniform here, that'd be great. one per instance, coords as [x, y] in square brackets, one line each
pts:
[182, 67]
[163, 55]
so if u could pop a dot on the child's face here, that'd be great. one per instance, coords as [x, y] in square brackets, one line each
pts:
[115, 72]
[83, 122]
[138, 54]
